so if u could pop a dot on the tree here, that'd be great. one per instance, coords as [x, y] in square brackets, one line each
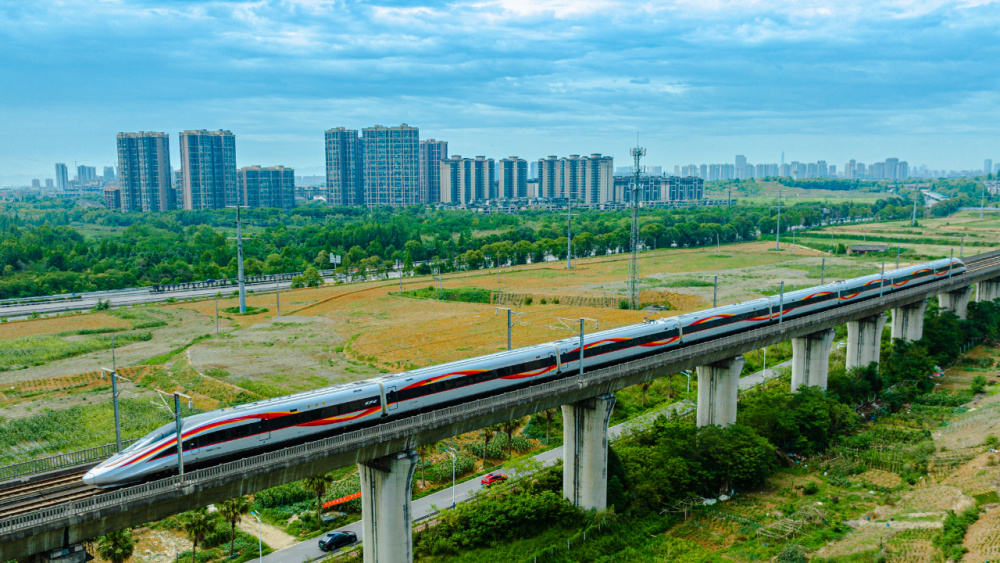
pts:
[196, 526]
[645, 389]
[317, 484]
[233, 511]
[488, 433]
[548, 414]
[116, 547]
[422, 452]
[311, 277]
[508, 427]
[978, 385]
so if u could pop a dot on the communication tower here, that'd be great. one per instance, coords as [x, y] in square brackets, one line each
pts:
[633, 296]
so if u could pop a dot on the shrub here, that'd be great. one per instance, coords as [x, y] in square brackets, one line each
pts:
[978, 384]
[810, 488]
[529, 300]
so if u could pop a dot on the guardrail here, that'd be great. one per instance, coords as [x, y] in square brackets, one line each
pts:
[60, 461]
[409, 426]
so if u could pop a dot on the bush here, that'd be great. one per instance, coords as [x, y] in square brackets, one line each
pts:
[529, 300]
[289, 493]
[978, 385]
[810, 488]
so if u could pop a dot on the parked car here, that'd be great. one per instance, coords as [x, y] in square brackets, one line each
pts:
[336, 540]
[492, 479]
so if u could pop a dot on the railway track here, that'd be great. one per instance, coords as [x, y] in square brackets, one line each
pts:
[45, 493]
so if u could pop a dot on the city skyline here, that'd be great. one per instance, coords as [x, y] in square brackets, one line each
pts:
[697, 81]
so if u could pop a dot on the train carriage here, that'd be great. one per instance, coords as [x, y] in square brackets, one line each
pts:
[234, 432]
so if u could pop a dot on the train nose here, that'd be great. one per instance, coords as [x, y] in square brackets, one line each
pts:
[91, 477]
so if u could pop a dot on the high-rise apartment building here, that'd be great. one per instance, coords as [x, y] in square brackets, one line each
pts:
[344, 165]
[62, 177]
[36, 183]
[467, 180]
[273, 186]
[741, 167]
[988, 166]
[109, 174]
[86, 174]
[49, 184]
[391, 158]
[589, 179]
[512, 176]
[533, 170]
[208, 167]
[432, 152]
[144, 165]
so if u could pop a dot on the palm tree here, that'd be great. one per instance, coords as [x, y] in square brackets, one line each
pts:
[422, 451]
[233, 511]
[196, 526]
[509, 427]
[116, 547]
[317, 484]
[488, 433]
[548, 414]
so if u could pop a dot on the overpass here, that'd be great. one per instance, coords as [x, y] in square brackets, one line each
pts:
[385, 453]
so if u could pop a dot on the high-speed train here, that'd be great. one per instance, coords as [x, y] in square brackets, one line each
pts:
[236, 432]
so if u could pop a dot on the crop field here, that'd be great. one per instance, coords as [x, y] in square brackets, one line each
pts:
[983, 537]
[933, 237]
[52, 325]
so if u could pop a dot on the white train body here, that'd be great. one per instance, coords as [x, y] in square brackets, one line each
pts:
[245, 430]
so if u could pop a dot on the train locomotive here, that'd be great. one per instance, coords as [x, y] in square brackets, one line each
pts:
[235, 432]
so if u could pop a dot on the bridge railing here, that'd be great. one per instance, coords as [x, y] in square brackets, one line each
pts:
[408, 426]
[60, 461]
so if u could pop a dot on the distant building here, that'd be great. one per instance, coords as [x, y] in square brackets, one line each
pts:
[49, 184]
[466, 180]
[391, 172]
[113, 198]
[589, 179]
[866, 248]
[533, 170]
[267, 187]
[86, 174]
[109, 174]
[344, 178]
[146, 182]
[988, 166]
[512, 177]
[432, 152]
[62, 177]
[658, 189]
[36, 183]
[208, 169]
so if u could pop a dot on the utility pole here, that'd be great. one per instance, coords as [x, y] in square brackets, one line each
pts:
[239, 260]
[114, 400]
[914, 205]
[822, 272]
[982, 203]
[510, 321]
[277, 293]
[177, 422]
[777, 234]
[633, 264]
[715, 293]
[897, 257]
[781, 303]
[569, 234]
[217, 314]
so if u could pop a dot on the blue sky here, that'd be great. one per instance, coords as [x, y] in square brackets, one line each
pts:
[699, 80]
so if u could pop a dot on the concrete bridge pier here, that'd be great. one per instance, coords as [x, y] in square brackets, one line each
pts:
[956, 301]
[864, 340]
[811, 359]
[988, 290]
[908, 321]
[718, 388]
[386, 486]
[585, 451]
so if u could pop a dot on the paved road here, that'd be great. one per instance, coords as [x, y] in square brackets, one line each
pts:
[309, 549]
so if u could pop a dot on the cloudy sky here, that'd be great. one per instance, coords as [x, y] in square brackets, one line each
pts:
[698, 80]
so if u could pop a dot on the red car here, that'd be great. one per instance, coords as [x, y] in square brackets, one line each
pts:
[492, 479]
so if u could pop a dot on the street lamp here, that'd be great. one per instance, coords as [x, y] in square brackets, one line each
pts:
[452, 476]
[260, 544]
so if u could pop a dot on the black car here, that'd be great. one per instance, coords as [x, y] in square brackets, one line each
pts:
[335, 540]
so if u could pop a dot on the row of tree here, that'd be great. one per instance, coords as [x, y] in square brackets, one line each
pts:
[182, 246]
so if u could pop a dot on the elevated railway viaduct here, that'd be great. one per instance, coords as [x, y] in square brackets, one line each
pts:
[385, 453]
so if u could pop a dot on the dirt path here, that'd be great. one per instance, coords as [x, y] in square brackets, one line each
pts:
[270, 535]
